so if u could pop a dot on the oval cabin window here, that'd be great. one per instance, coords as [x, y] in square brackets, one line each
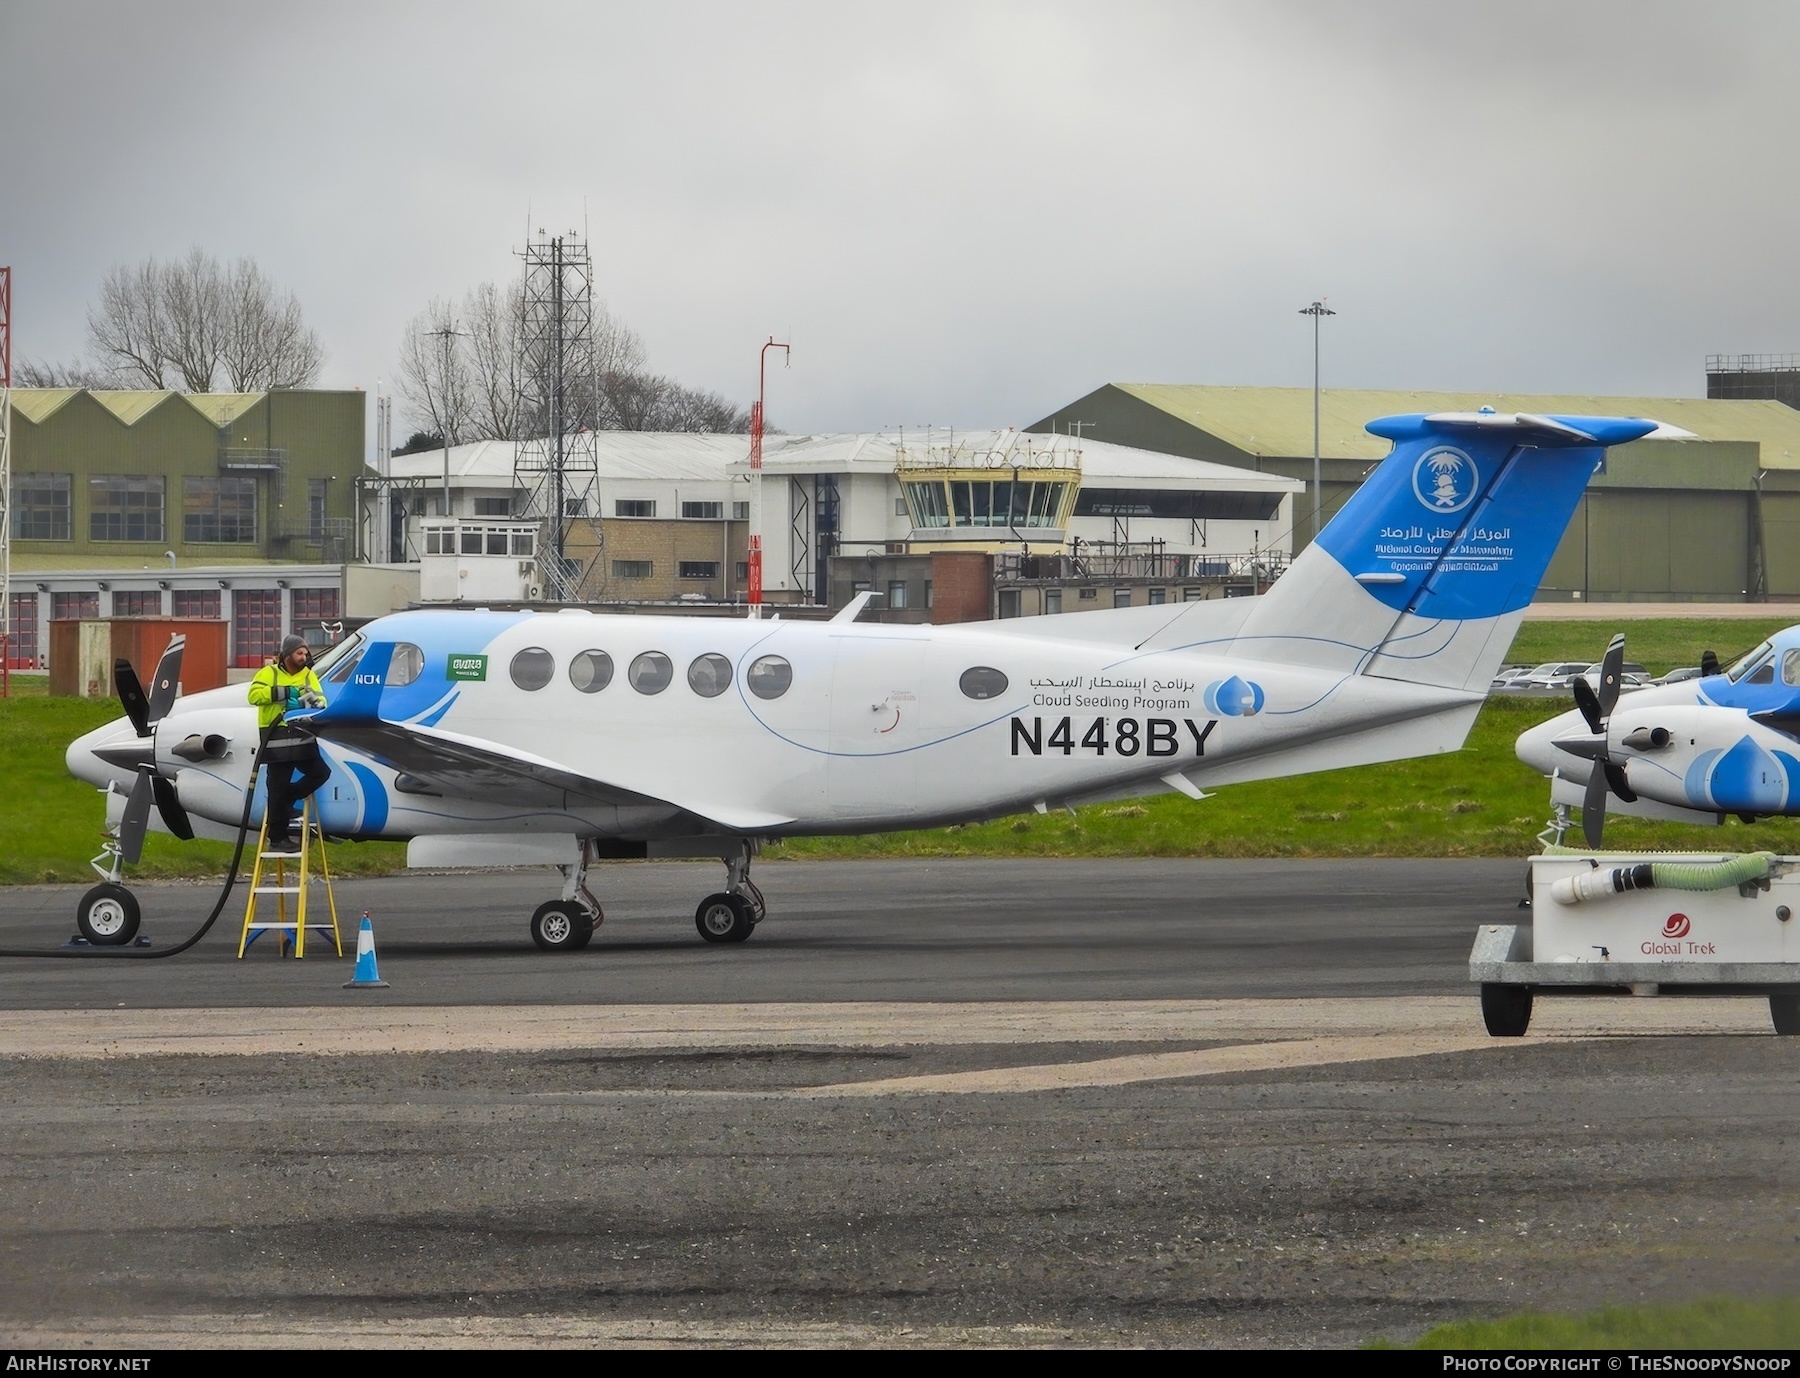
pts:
[709, 675]
[982, 682]
[769, 677]
[591, 671]
[532, 667]
[651, 672]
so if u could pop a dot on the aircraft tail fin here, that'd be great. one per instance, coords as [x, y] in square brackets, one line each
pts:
[1425, 573]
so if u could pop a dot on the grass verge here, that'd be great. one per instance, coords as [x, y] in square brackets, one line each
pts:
[1719, 1323]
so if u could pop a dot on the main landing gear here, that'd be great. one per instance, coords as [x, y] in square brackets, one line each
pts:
[730, 916]
[568, 924]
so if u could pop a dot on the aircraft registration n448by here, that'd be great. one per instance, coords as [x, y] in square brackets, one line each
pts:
[566, 737]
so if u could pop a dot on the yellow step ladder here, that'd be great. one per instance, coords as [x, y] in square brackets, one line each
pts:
[281, 889]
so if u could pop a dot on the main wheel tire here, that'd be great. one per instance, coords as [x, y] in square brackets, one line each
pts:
[724, 918]
[1784, 1010]
[560, 926]
[108, 915]
[1506, 1010]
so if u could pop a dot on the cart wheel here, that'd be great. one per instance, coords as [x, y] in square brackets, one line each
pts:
[1506, 1010]
[1784, 1010]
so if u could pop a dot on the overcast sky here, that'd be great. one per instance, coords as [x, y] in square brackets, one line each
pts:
[964, 214]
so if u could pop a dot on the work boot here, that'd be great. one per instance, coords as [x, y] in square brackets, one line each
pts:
[284, 845]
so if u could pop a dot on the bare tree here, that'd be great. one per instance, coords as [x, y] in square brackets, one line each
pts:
[435, 378]
[491, 318]
[463, 373]
[267, 343]
[77, 373]
[193, 324]
[127, 328]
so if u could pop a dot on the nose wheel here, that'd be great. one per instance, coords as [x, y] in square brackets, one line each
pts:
[108, 915]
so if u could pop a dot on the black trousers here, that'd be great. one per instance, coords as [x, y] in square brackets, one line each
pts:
[286, 789]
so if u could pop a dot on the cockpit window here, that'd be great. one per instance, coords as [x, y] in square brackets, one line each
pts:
[1749, 662]
[336, 664]
[1790, 666]
[406, 666]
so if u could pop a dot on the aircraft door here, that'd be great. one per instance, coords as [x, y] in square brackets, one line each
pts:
[875, 722]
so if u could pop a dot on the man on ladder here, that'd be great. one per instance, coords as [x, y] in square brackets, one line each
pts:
[288, 683]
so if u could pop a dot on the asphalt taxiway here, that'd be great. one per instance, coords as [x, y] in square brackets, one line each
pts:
[970, 1102]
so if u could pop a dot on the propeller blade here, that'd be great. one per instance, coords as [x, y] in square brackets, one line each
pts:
[1615, 778]
[168, 804]
[167, 677]
[131, 695]
[1593, 808]
[1589, 704]
[136, 817]
[1611, 666]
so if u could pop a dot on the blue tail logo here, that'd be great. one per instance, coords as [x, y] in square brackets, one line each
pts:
[1449, 475]
[1461, 520]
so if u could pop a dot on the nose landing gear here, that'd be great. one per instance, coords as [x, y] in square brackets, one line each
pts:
[108, 915]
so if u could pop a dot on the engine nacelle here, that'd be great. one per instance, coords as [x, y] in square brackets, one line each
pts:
[1698, 756]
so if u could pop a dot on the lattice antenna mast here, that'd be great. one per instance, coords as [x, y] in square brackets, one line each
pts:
[5, 473]
[555, 466]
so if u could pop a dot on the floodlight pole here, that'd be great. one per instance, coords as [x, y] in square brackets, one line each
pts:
[446, 333]
[1316, 310]
[755, 591]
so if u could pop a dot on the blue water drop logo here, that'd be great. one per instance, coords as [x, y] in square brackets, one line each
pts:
[1747, 779]
[1234, 697]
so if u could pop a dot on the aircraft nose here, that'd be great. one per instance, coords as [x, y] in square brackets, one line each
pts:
[85, 763]
[1536, 746]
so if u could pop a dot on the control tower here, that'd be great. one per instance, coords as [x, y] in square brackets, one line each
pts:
[990, 491]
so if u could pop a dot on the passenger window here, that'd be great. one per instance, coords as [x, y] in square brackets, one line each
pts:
[532, 667]
[1790, 667]
[769, 677]
[591, 671]
[982, 682]
[406, 666]
[651, 672]
[709, 676]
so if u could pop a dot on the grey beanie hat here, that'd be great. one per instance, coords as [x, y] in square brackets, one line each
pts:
[290, 644]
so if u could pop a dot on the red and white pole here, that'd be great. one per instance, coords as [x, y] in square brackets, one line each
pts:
[756, 435]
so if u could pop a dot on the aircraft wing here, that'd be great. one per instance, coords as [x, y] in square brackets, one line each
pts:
[453, 763]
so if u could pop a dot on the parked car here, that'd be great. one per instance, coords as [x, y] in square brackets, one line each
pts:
[1554, 674]
[1508, 677]
[1631, 676]
[1676, 676]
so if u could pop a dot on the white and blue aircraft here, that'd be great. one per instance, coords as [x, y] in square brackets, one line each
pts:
[1693, 751]
[568, 737]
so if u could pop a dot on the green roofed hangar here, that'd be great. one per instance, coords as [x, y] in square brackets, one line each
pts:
[1704, 509]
